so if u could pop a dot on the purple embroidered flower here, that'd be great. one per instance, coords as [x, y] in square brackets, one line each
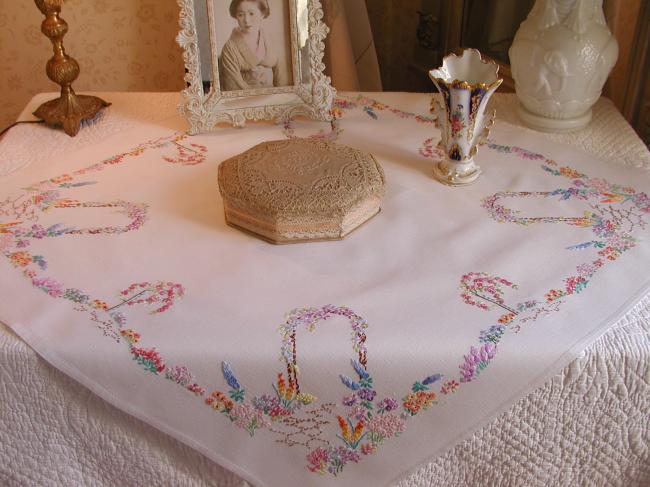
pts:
[477, 360]
[388, 404]
[119, 318]
[266, 403]
[50, 286]
[359, 413]
[38, 231]
[350, 400]
[492, 334]
[339, 457]
[366, 394]
[346, 455]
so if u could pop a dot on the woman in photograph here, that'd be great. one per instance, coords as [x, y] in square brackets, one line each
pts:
[248, 58]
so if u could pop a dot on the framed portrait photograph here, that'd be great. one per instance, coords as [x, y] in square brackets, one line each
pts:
[253, 60]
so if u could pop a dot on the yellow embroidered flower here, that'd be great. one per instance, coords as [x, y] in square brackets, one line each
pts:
[286, 392]
[4, 227]
[507, 318]
[306, 398]
[351, 435]
[416, 401]
[65, 203]
[99, 304]
[219, 401]
[570, 173]
[130, 335]
[62, 179]
[553, 294]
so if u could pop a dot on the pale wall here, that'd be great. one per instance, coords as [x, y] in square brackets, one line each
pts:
[121, 45]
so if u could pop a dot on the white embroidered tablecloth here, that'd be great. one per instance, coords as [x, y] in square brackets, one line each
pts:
[414, 298]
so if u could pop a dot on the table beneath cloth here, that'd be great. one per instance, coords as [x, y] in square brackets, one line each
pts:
[567, 444]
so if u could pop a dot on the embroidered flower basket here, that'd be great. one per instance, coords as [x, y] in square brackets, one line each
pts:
[300, 190]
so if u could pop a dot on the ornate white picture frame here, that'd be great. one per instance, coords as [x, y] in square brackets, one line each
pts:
[307, 91]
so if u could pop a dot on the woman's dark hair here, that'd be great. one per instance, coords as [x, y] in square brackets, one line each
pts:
[262, 4]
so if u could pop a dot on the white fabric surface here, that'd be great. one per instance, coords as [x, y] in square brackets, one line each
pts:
[636, 435]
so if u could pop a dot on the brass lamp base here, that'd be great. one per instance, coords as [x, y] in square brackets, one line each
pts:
[69, 110]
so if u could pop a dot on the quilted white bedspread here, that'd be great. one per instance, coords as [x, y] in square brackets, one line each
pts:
[588, 426]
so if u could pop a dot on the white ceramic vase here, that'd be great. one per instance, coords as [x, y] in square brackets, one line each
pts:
[466, 83]
[560, 58]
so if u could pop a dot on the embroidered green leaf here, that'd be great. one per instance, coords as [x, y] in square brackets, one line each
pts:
[366, 382]
[237, 395]
[419, 386]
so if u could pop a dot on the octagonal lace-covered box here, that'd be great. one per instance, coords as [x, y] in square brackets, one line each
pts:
[300, 190]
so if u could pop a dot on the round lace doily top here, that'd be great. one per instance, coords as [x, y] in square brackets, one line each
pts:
[300, 179]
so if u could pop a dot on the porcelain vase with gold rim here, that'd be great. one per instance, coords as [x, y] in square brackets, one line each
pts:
[466, 83]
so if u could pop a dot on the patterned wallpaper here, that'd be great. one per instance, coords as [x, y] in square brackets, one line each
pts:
[121, 45]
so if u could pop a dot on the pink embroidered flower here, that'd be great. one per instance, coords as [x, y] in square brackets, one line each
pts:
[278, 411]
[386, 425]
[598, 184]
[318, 460]
[164, 293]
[6, 241]
[575, 284]
[196, 389]
[368, 448]
[449, 386]
[249, 418]
[179, 374]
[586, 270]
[149, 358]
[359, 413]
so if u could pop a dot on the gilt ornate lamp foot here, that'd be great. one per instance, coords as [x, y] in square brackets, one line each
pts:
[69, 109]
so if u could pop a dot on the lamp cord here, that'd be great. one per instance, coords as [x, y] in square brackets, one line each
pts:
[6, 129]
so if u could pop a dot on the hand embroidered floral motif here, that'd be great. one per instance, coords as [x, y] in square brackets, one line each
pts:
[336, 433]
